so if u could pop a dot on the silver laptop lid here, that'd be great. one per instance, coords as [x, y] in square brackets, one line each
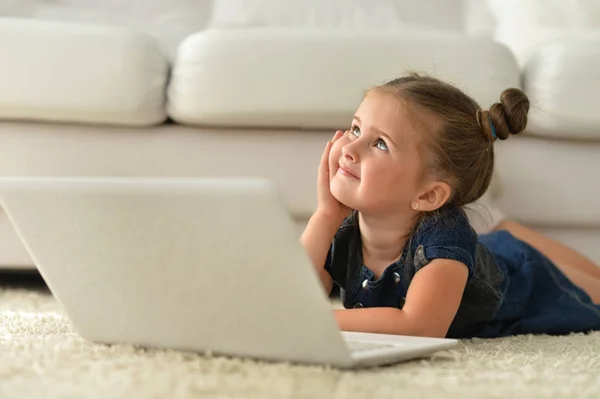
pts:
[199, 264]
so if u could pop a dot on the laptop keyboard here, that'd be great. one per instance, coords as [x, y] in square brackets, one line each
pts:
[359, 346]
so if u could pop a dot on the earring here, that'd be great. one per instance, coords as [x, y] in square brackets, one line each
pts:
[415, 205]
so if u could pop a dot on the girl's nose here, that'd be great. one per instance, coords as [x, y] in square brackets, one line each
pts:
[350, 152]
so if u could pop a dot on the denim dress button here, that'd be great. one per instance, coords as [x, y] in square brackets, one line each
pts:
[358, 305]
[420, 259]
[365, 284]
[396, 277]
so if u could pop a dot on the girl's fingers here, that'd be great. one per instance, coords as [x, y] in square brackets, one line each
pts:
[325, 156]
[337, 135]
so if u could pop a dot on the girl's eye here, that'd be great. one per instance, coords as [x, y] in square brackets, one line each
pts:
[381, 145]
[355, 131]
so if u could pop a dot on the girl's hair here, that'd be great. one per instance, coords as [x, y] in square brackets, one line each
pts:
[461, 151]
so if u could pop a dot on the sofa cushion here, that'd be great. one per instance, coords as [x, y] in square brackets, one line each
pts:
[52, 71]
[315, 78]
[525, 25]
[562, 81]
[169, 21]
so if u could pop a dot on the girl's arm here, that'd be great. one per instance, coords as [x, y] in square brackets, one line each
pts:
[324, 223]
[316, 239]
[432, 301]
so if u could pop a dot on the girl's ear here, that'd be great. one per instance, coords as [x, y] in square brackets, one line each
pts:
[434, 196]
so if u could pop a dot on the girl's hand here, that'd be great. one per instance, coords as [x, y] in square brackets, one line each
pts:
[328, 206]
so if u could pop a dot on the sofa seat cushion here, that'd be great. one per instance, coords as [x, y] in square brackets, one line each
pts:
[548, 182]
[315, 78]
[69, 72]
[13, 254]
[562, 81]
[169, 150]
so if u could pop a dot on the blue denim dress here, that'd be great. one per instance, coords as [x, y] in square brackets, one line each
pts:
[511, 288]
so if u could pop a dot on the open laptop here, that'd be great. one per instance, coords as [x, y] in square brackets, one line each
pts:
[205, 265]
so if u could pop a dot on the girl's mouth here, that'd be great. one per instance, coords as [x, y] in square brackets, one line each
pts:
[347, 172]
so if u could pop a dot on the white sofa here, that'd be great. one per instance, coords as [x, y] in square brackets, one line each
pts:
[81, 99]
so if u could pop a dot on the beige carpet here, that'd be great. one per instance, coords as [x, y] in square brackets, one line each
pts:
[41, 357]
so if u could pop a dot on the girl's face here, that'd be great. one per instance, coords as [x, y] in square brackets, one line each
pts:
[376, 167]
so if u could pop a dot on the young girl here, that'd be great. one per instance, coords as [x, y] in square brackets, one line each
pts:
[390, 229]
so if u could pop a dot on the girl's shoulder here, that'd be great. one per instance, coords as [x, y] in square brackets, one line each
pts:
[447, 234]
[448, 221]
[449, 224]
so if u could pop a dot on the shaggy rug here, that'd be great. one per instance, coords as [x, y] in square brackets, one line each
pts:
[42, 357]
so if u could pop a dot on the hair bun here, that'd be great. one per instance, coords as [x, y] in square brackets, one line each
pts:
[509, 116]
